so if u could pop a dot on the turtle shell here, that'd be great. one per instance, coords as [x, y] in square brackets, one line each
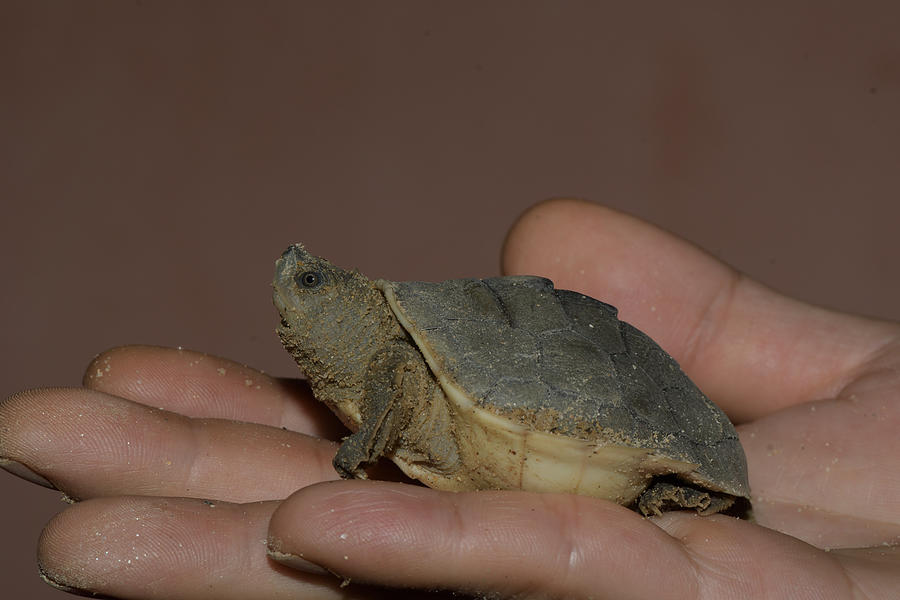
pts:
[562, 363]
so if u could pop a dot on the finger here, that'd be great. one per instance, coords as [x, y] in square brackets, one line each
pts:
[505, 543]
[545, 545]
[201, 385]
[138, 547]
[89, 444]
[751, 349]
[737, 559]
[877, 570]
[828, 472]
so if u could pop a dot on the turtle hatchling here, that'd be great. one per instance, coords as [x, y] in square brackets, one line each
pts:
[505, 383]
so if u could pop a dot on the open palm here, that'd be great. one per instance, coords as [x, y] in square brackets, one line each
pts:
[201, 478]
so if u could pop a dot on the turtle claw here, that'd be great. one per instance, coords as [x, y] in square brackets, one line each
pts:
[345, 473]
[357, 474]
[348, 463]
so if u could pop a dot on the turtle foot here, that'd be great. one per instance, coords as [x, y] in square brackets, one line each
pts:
[664, 496]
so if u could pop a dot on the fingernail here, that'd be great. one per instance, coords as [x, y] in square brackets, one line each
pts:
[296, 562]
[57, 583]
[62, 586]
[20, 470]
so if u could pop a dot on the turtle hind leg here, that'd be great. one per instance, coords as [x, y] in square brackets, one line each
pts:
[664, 495]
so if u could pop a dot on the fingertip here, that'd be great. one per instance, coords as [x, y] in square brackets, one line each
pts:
[89, 570]
[142, 373]
[35, 424]
[335, 514]
[338, 528]
[659, 282]
[133, 546]
[362, 530]
[138, 372]
[197, 384]
[532, 243]
[613, 256]
[100, 366]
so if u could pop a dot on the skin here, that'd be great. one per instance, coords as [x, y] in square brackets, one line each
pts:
[816, 395]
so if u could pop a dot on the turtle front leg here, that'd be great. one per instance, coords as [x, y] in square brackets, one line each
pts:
[382, 411]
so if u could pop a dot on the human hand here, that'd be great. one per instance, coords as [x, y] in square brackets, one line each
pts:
[815, 393]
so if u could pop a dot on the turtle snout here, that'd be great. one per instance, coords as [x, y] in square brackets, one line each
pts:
[290, 258]
[285, 267]
[292, 251]
[297, 254]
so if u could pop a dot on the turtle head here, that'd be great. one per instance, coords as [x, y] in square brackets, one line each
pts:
[333, 321]
[306, 286]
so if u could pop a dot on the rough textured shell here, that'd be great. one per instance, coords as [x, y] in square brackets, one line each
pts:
[561, 362]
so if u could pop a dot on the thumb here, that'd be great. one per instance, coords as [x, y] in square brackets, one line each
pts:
[506, 543]
[519, 544]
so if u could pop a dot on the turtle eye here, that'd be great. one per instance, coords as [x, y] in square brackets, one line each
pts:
[309, 279]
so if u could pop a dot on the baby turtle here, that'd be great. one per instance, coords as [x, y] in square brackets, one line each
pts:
[504, 383]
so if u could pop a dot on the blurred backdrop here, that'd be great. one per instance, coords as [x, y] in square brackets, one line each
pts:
[156, 157]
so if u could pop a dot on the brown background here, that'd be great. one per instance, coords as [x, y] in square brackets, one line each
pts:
[156, 157]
